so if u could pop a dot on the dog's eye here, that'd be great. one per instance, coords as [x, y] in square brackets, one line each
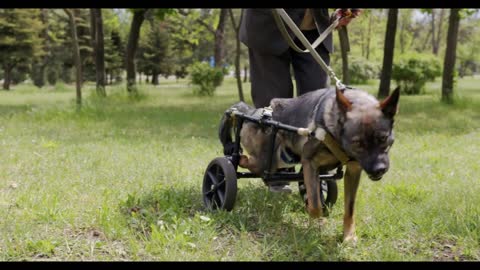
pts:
[382, 138]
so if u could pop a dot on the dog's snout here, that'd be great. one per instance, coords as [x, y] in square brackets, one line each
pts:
[378, 171]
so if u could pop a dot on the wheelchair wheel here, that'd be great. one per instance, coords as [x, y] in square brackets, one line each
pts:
[220, 185]
[328, 194]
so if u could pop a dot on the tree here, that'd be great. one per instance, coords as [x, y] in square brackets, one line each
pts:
[468, 46]
[404, 20]
[114, 45]
[389, 48]
[370, 22]
[84, 35]
[132, 45]
[114, 57]
[155, 56]
[19, 40]
[219, 38]
[39, 67]
[236, 27]
[76, 53]
[436, 36]
[61, 62]
[450, 54]
[99, 50]
[206, 19]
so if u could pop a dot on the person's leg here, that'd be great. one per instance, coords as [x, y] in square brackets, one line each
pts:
[309, 75]
[270, 77]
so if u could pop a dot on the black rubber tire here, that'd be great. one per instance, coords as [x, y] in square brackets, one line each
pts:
[328, 195]
[220, 185]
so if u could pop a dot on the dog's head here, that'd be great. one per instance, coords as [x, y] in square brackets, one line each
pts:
[367, 132]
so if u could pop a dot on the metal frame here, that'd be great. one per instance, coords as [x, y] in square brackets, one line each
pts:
[267, 176]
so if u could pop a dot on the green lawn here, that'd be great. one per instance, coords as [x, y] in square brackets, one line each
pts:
[121, 180]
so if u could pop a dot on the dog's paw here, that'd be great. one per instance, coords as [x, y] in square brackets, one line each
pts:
[350, 239]
[314, 212]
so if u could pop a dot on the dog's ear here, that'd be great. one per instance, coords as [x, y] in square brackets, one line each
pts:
[344, 104]
[389, 105]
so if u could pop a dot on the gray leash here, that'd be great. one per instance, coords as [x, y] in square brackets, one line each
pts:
[280, 12]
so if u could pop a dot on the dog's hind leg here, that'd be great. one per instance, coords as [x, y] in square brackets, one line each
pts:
[352, 181]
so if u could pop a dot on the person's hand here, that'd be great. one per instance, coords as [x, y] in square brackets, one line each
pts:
[346, 15]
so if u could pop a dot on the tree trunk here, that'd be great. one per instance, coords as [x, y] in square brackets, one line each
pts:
[219, 38]
[345, 48]
[245, 74]
[237, 53]
[155, 78]
[384, 89]
[450, 55]
[433, 31]
[7, 77]
[46, 40]
[133, 38]
[76, 53]
[424, 47]
[99, 51]
[439, 33]
[370, 22]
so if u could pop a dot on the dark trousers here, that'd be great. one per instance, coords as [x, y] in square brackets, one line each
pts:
[270, 74]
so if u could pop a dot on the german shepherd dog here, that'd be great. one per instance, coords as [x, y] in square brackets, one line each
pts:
[359, 123]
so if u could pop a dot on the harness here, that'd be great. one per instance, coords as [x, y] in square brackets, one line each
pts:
[320, 134]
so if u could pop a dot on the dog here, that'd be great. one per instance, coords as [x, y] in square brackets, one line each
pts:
[360, 124]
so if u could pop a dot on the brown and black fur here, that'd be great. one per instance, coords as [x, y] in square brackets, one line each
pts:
[361, 124]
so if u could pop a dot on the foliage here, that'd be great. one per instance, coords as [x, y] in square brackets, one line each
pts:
[361, 70]
[412, 71]
[19, 40]
[205, 78]
[154, 53]
[114, 46]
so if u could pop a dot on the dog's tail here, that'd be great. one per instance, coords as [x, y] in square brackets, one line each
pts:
[225, 129]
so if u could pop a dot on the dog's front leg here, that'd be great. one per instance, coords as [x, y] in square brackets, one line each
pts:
[312, 185]
[352, 180]
[310, 178]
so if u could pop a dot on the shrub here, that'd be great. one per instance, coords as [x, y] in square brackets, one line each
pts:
[52, 76]
[360, 69]
[413, 71]
[205, 78]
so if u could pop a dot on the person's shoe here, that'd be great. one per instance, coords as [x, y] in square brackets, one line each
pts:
[280, 187]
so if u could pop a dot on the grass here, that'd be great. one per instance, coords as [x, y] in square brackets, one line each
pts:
[121, 180]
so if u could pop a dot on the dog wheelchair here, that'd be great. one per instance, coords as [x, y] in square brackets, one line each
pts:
[220, 178]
